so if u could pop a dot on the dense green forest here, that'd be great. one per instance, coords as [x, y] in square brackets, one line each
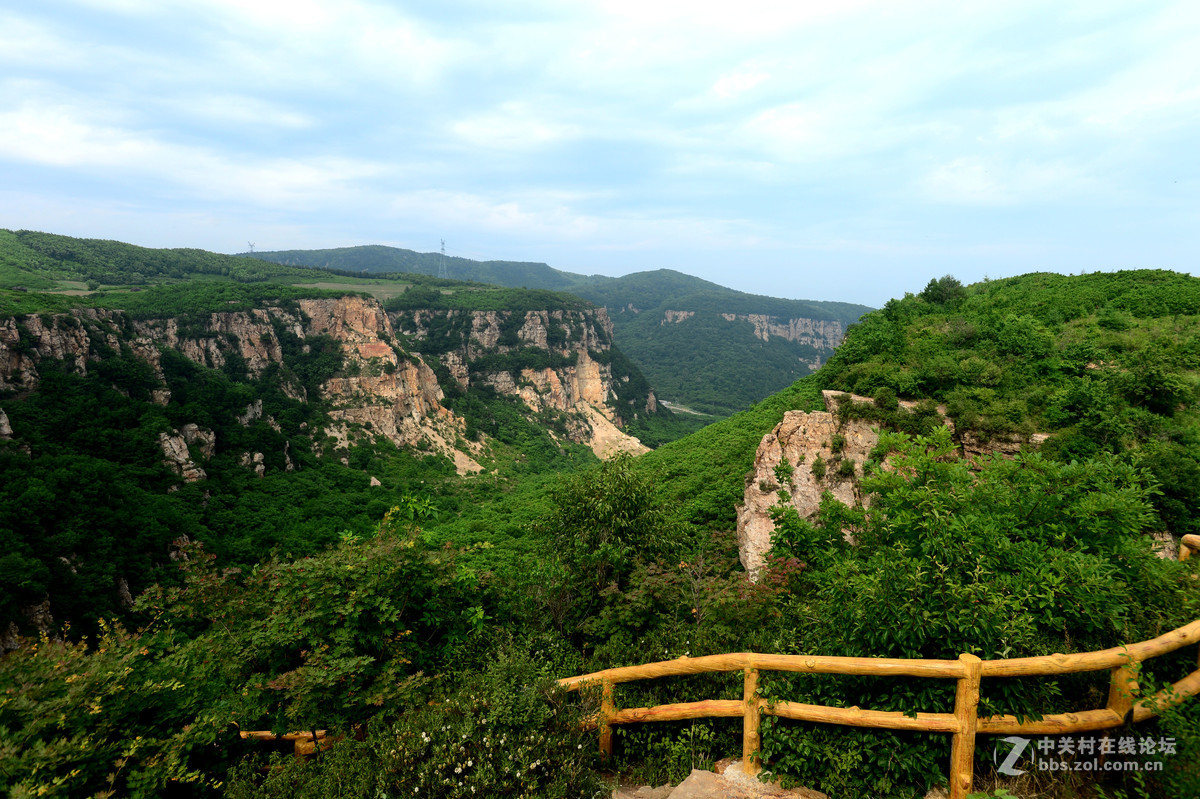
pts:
[424, 622]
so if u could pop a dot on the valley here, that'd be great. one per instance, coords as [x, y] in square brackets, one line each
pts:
[239, 497]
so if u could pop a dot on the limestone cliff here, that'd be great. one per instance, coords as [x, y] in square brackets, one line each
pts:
[383, 393]
[822, 335]
[381, 390]
[552, 360]
[785, 461]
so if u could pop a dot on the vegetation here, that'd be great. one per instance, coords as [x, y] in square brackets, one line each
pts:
[707, 362]
[1107, 363]
[423, 621]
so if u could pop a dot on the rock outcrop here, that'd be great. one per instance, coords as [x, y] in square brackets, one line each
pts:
[383, 393]
[176, 453]
[382, 390]
[820, 334]
[809, 453]
[490, 348]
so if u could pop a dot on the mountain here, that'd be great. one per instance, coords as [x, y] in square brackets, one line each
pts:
[422, 622]
[231, 410]
[702, 346]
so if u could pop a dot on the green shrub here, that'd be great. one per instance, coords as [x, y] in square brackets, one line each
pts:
[818, 468]
[506, 731]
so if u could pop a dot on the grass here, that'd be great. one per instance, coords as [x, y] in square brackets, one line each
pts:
[379, 289]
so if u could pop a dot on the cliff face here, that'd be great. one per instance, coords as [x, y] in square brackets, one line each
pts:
[785, 458]
[551, 360]
[380, 390]
[820, 334]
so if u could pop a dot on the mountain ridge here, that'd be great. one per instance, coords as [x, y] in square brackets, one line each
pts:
[712, 361]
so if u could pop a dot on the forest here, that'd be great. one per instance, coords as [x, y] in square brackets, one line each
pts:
[422, 623]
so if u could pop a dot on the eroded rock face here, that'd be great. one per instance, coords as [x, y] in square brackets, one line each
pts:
[178, 458]
[249, 334]
[801, 440]
[385, 394]
[785, 459]
[6, 431]
[382, 394]
[583, 389]
[820, 334]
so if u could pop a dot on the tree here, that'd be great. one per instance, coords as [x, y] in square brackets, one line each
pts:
[946, 290]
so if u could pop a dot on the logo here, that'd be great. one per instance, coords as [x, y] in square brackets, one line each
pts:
[1081, 753]
[1007, 768]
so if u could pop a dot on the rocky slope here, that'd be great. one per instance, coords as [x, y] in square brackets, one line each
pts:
[785, 464]
[556, 361]
[379, 390]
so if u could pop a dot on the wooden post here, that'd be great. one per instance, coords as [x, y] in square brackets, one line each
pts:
[607, 711]
[1122, 688]
[751, 759]
[966, 713]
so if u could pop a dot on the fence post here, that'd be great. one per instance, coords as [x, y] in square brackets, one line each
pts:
[607, 711]
[751, 760]
[1121, 690]
[966, 711]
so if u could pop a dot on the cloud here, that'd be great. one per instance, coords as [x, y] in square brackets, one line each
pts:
[64, 138]
[513, 126]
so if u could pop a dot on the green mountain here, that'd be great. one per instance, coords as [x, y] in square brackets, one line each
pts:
[701, 345]
[422, 621]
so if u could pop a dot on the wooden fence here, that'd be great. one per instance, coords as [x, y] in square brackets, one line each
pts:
[963, 724]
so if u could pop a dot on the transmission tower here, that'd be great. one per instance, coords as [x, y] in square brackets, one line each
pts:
[442, 266]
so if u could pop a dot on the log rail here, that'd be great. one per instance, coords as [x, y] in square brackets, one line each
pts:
[963, 724]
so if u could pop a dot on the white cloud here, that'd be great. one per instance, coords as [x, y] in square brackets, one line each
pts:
[737, 83]
[513, 126]
[62, 137]
[980, 181]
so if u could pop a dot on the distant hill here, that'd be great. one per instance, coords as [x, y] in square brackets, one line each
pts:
[376, 259]
[701, 345]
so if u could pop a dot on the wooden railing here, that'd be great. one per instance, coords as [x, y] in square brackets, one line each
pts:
[303, 743]
[963, 724]
[1188, 545]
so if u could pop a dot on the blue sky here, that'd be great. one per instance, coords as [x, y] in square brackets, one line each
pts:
[837, 151]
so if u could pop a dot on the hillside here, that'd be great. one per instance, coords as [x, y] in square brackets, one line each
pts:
[253, 415]
[701, 345]
[424, 620]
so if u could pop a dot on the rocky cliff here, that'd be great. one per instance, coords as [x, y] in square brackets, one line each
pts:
[556, 361]
[810, 453]
[379, 389]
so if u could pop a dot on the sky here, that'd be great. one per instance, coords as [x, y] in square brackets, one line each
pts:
[848, 150]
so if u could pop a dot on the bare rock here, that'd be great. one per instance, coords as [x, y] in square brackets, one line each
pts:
[254, 461]
[6, 431]
[10, 639]
[253, 412]
[202, 438]
[786, 456]
[123, 594]
[177, 458]
[1165, 545]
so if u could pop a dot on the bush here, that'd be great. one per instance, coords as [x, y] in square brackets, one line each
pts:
[818, 468]
[507, 731]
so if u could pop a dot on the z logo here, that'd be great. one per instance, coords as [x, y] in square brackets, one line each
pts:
[1018, 748]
